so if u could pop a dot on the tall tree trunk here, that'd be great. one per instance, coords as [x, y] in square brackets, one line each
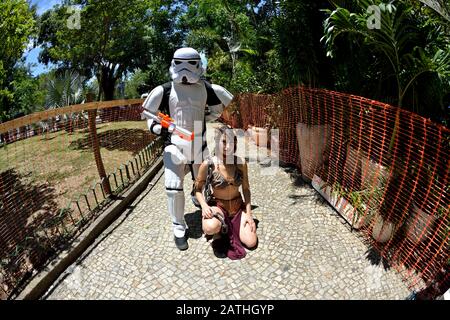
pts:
[107, 83]
[108, 88]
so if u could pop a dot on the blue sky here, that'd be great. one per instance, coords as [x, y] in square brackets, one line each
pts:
[44, 5]
[32, 55]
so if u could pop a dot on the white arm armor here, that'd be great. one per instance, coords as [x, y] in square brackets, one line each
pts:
[152, 104]
[224, 96]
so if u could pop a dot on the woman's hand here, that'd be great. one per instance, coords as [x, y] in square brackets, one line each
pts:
[249, 220]
[207, 212]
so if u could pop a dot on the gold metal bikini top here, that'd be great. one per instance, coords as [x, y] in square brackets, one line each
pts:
[218, 180]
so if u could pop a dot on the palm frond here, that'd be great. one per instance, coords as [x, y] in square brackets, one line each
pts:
[64, 90]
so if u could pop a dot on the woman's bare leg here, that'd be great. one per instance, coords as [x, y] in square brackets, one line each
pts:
[247, 236]
[212, 226]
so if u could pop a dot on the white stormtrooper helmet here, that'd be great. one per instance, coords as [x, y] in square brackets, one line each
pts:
[186, 66]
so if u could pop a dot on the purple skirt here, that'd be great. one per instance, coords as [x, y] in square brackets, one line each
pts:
[236, 250]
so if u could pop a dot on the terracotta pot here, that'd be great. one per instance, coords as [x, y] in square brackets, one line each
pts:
[383, 230]
[373, 175]
[419, 225]
[260, 136]
[249, 131]
[274, 141]
[352, 168]
[313, 144]
[342, 205]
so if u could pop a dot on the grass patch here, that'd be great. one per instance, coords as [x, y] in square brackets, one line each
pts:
[66, 161]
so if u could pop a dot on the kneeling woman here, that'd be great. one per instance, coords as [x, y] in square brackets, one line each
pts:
[228, 217]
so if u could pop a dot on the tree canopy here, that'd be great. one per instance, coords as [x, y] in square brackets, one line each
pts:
[109, 39]
[17, 26]
[251, 46]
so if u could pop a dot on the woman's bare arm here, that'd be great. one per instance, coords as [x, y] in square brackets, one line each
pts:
[246, 189]
[200, 181]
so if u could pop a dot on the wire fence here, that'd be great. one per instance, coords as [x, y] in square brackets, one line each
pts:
[58, 170]
[384, 169]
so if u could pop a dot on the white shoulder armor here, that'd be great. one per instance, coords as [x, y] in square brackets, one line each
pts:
[223, 94]
[154, 99]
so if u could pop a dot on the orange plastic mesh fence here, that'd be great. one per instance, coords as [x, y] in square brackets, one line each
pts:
[53, 182]
[384, 169]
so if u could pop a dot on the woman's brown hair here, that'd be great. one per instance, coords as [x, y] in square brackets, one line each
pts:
[228, 131]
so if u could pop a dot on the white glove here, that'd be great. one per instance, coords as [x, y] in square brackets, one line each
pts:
[156, 128]
[171, 129]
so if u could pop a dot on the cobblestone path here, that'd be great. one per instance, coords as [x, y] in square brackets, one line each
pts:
[306, 251]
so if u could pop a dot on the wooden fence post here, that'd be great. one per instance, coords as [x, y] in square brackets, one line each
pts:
[96, 148]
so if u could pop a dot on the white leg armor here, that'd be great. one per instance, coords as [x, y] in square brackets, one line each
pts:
[174, 172]
[176, 210]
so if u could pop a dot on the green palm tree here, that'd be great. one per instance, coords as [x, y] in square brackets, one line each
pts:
[64, 90]
[394, 44]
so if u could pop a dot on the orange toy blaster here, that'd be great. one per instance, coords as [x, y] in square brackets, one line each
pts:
[167, 122]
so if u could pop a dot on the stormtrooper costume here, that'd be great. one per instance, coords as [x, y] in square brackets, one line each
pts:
[184, 100]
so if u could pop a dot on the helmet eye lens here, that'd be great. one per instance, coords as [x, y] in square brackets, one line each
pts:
[193, 63]
[177, 62]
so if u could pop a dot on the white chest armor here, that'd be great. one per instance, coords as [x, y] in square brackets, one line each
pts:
[187, 107]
